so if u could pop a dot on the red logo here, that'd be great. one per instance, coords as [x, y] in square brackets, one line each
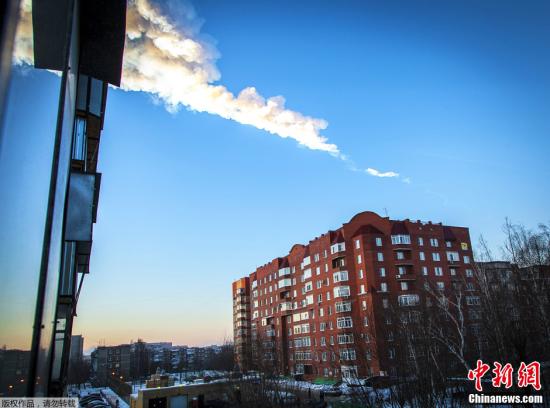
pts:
[478, 373]
[528, 375]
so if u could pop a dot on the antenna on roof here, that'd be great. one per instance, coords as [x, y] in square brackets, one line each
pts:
[386, 211]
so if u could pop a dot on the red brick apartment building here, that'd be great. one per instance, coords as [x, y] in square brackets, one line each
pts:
[321, 305]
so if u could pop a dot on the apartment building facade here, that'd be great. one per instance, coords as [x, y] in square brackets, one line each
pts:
[321, 309]
[111, 364]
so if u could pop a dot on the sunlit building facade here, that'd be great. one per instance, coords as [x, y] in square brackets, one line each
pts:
[322, 309]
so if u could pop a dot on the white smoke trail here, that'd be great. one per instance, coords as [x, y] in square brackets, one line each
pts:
[172, 61]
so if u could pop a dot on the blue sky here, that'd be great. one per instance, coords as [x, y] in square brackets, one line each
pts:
[453, 95]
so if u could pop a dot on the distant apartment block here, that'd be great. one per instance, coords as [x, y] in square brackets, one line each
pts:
[111, 364]
[320, 310]
[241, 321]
[77, 349]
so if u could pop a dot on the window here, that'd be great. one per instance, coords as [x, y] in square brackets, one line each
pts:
[400, 239]
[344, 322]
[345, 338]
[363, 305]
[343, 307]
[469, 273]
[404, 286]
[440, 285]
[306, 262]
[408, 300]
[322, 327]
[357, 244]
[379, 241]
[347, 354]
[79, 139]
[400, 255]
[422, 256]
[391, 353]
[385, 303]
[425, 270]
[436, 257]
[318, 284]
[318, 270]
[338, 247]
[401, 270]
[453, 256]
[319, 298]
[316, 257]
[341, 291]
[434, 242]
[438, 271]
[448, 244]
[473, 300]
[466, 259]
[359, 260]
[464, 246]
[380, 256]
[420, 241]
[306, 275]
[362, 290]
[360, 273]
[383, 287]
[340, 276]
[452, 271]
[382, 272]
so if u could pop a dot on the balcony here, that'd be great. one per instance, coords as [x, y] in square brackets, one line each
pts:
[283, 283]
[286, 306]
[284, 271]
